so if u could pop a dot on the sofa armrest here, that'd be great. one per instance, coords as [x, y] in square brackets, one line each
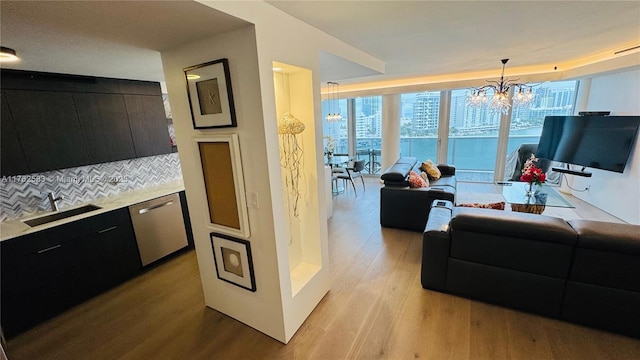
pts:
[435, 248]
[447, 170]
[408, 209]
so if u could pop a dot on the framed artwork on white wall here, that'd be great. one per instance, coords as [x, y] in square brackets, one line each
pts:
[210, 95]
[223, 183]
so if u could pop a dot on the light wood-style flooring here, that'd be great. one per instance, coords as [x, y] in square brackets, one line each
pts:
[376, 309]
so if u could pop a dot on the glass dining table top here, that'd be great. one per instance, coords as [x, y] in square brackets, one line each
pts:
[515, 192]
[336, 160]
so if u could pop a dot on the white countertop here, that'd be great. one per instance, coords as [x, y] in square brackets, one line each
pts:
[14, 228]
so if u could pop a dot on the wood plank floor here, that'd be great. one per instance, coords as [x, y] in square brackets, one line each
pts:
[376, 309]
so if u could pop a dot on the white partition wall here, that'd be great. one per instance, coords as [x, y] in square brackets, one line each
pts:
[290, 254]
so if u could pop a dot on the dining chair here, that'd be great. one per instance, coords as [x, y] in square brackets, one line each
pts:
[353, 171]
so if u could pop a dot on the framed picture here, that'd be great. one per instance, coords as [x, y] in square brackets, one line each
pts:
[210, 95]
[223, 184]
[234, 263]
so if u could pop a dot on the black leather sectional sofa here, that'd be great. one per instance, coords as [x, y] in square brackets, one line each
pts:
[582, 271]
[408, 208]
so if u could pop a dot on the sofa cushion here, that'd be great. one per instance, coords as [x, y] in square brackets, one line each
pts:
[444, 181]
[612, 237]
[607, 254]
[514, 224]
[416, 181]
[539, 245]
[431, 169]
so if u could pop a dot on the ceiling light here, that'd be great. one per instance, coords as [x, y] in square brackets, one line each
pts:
[193, 77]
[277, 69]
[8, 55]
[334, 102]
[501, 102]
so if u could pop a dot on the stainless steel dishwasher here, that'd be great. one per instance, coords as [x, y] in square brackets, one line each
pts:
[159, 227]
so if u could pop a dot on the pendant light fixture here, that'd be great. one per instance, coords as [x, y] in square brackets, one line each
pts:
[334, 102]
[8, 55]
[501, 102]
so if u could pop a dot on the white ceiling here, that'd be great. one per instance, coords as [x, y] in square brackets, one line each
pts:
[414, 38]
[120, 39]
[423, 38]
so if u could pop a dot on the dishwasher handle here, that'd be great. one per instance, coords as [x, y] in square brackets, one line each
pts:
[153, 207]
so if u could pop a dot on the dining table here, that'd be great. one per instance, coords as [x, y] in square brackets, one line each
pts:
[336, 161]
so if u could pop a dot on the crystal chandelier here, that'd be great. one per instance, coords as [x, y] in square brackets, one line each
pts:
[334, 97]
[500, 102]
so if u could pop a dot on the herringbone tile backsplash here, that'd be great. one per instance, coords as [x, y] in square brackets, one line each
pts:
[27, 195]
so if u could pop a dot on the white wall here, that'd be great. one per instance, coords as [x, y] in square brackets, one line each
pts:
[615, 193]
[274, 36]
[240, 48]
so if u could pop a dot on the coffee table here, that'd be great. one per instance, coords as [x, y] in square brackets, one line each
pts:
[514, 193]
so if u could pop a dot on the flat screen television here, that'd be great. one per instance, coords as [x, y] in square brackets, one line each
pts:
[600, 142]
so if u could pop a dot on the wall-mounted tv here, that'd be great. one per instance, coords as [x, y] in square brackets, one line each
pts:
[601, 142]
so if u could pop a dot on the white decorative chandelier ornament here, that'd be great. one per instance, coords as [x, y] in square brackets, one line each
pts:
[334, 105]
[500, 102]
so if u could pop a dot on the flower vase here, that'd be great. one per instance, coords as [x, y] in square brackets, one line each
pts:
[531, 189]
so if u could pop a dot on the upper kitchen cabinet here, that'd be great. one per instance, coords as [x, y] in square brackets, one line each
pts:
[55, 121]
[12, 160]
[49, 129]
[105, 126]
[148, 125]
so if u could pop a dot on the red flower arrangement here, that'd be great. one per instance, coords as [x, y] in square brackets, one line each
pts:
[531, 173]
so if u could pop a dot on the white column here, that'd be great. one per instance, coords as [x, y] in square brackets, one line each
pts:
[390, 130]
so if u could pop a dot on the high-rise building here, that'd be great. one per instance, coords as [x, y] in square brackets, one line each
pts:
[426, 110]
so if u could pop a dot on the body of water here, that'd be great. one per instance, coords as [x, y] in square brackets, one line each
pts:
[477, 153]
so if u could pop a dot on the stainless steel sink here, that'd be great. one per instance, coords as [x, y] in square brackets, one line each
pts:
[61, 215]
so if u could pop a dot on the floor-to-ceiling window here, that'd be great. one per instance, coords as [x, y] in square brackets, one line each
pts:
[473, 133]
[368, 131]
[473, 138]
[419, 119]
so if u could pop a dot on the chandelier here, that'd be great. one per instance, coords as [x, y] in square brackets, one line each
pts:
[500, 102]
[334, 105]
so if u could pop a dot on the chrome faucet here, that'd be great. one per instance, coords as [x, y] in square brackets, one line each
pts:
[53, 201]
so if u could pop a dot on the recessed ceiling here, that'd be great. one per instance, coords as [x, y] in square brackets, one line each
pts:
[421, 38]
[120, 39]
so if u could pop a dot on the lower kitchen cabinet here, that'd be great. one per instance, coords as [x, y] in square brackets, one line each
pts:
[110, 252]
[47, 272]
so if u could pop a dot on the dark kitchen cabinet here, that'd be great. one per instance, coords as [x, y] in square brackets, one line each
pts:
[48, 128]
[51, 275]
[56, 121]
[48, 272]
[110, 250]
[12, 161]
[105, 126]
[15, 310]
[148, 125]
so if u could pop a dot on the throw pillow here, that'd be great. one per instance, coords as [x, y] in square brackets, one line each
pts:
[495, 206]
[431, 169]
[415, 181]
[425, 177]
